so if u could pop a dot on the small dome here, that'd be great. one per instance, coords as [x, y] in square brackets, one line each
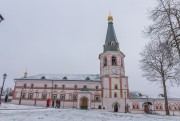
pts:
[110, 18]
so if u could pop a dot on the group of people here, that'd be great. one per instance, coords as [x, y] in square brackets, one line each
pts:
[55, 103]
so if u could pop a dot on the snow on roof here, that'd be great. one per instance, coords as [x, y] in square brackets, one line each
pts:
[88, 77]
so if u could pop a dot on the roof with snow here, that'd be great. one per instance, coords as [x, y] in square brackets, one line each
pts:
[73, 77]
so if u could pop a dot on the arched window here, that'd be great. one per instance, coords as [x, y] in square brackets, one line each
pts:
[115, 94]
[113, 43]
[114, 61]
[170, 108]
[115, 86]
[133, 106]
[105, 61]
[122, 62]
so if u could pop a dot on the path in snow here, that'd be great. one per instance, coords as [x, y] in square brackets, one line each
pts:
[51, 114]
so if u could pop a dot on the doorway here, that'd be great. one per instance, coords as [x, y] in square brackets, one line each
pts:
[116, 107]
[84, 103]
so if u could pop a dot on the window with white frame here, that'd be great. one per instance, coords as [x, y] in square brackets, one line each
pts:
[45, 86]
[115, 86]
[62, 96]
[105, 61]
[74, 97]
[63, 86]
[54, 96]
[115, 94]
[32, 85]
[44, 96]
[96, 97]
[23, 95]
[114, 63]
[55, 86]
[30, 95]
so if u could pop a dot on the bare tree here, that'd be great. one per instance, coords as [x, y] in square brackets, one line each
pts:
[159, 64]
[1, 18]
[166, 23]
[8, 91]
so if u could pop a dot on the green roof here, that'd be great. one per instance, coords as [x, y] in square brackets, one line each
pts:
[111, 35]
[111, 38]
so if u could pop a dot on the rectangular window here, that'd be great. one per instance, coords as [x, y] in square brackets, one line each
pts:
[32, 85]
[45, 86]
[30, 95]
[44, 96]
[115, 94]
[24, 85]
[96, 97]
[85, 87]
[63, 86]
[75, 86]
[74, 97]
[62, 96]
[96, 87]
[54, 96]
[23, 95]
[55, 86]
[116, 86]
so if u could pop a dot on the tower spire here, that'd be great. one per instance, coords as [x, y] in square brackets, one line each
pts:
[111, 43]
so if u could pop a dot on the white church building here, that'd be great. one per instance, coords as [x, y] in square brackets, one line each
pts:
[108, 90]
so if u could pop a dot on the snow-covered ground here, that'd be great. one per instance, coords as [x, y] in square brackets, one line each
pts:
[11, 112]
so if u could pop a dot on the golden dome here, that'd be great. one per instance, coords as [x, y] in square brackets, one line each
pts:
[110, 17]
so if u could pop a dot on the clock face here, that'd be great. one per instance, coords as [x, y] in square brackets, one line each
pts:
[114, 70]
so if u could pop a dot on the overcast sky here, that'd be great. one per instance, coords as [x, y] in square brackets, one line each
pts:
[67, 36]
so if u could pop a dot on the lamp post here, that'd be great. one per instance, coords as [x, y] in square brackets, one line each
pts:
[173, 109]
[125, 102]
[102, 98]
[35, 97]
[63, 102]
[21, 95]
[4, 78]
[73, 101]
[147, 102]
[154, 106]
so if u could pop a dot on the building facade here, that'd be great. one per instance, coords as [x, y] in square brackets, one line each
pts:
[109, 90]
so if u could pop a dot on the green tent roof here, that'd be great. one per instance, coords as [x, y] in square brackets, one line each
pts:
[111, 38]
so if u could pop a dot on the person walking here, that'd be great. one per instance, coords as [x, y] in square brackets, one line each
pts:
[48, 102]
[6, 98]
[57, 104]
[53, 103]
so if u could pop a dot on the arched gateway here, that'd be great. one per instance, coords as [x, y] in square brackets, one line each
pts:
[84, 103]
[116, 106]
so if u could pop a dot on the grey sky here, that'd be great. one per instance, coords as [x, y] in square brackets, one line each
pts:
[66, 37]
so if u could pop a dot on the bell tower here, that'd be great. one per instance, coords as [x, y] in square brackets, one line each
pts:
[112, 70]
